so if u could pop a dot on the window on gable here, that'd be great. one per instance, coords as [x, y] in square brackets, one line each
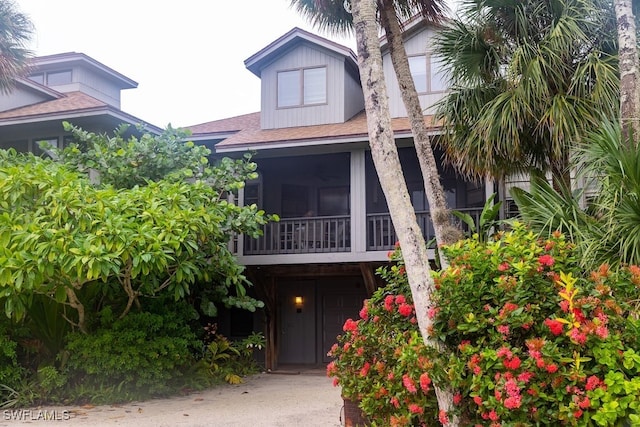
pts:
[428, 73]
[305, 86]
[59, 78]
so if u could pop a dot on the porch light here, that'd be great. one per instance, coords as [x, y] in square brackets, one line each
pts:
[298, 301]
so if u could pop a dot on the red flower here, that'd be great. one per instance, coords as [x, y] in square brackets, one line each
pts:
[388, 302]
[546, 260]
[577, 336]
[512, 364]
[425, 382]
[525, 377]
[457, 398]
[364, 313]
[493, 416]
[394, 401]
[477, 400]
[592, 382]
[554, 326]
[350, 325]
[409, 384]
[503, 267]
[405, 309]
[442, 416]
[513, 402]
[365, 369]
[400, 299]
[415, 409]
[577, 413]
[503, 329]
[552, 368]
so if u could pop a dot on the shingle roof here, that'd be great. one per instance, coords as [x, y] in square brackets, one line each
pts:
[70, 102]
[247, 133]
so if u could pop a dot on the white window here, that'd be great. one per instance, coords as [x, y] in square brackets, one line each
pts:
[428, 73]
[307, 86]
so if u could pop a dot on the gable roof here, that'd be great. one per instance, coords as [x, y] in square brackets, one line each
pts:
[243, 133]
[256, 62]
[67, 106]
[47, 62]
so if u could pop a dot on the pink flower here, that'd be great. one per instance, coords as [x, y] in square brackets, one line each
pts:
[552, 368]
[493, 415]
[457, 398]
[592, 382]
[425, 382]
[503, 266]
[554, 326]
[350, 325]
[364, 314]
[503, 329]
[415, 409]
[395, 402]
[513, 402]
[409, 384]
[525, 377]
[602, 331]
[442, 416]
[432, 312]
[504, 352]
[564, 305]
[400, 299]
[388, 302]
[577, 336]
[477, 400]
[546, 260]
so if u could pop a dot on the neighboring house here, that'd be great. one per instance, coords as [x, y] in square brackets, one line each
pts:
[315, 266]
[69, 87]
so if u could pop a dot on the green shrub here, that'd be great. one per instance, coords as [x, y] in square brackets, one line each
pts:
[142, 354]
[527, 338]
[11, 372]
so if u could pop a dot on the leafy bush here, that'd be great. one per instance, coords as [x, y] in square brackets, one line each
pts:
[381, 360]
[527, 338]
[143, 353]
[531, 339]
[10, 371]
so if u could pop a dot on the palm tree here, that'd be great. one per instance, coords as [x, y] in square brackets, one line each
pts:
[15, 31]
[387, 163]
[629, 69]
[331, 15]
[528, 79]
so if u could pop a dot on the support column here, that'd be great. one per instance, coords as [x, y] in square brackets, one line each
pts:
[358, 202]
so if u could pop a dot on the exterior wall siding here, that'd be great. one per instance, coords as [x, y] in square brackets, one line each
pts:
[20, 98]
[418, 44]
[303, 56]
[353, 97]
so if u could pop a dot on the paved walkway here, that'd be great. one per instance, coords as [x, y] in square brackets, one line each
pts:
[290, 398]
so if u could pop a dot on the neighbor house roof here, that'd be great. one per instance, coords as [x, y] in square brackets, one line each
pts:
[67, 106]
[243, 133]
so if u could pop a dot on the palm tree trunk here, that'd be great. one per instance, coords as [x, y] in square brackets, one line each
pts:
[628, 60]
[387, 164]
[445, 231]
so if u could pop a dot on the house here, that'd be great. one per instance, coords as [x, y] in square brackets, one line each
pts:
[315, 266]
[69, 86]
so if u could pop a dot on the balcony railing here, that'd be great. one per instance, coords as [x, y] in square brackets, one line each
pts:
[302, 235]
[333, 234]
[381, 235]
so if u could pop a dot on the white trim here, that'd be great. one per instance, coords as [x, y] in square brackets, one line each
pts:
[358, 202]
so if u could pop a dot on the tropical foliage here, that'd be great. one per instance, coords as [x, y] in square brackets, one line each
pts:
[528, 80]
[607, 229]
[528, 338]
[15, 31]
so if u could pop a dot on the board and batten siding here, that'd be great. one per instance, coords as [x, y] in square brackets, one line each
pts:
[417, 44]
[303, 56]
[353, 97]
[21, 97]
[87, 81]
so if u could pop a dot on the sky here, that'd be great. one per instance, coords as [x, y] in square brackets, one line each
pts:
[187, 56]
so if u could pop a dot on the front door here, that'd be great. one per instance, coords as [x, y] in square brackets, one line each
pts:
[297, 322]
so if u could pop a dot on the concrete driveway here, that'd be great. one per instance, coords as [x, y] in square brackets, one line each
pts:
[289, 398]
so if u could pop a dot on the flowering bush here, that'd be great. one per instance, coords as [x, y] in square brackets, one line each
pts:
[531, 340]
[381, 360]
[528, 338]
